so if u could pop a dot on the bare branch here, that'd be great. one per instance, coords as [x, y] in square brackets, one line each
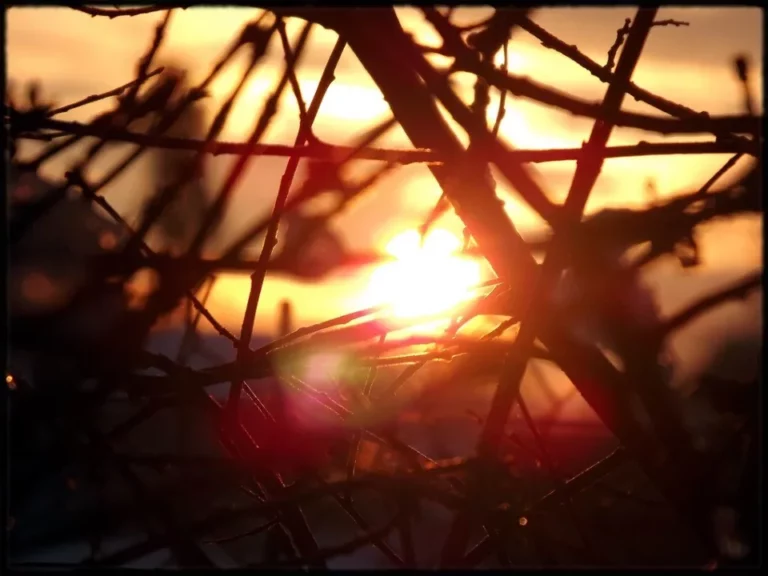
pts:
[740, 289]
[614, 49]
[104, 95]
[267, 448]
[259, 274]
[671, 22]
[587, 170]
[118, 12]
[601, 72]
[323, 151]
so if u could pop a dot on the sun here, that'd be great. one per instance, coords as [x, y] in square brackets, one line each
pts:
[426, 278]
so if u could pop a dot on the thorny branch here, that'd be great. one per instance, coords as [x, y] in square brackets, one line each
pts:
[281, 486]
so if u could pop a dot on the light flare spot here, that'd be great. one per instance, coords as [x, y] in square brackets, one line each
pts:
[107, 241]
[426, 278]
[322, 369]
[139, 287]
[38, 288]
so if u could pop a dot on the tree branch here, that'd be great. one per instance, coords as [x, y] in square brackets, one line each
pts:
[323, 151]
[120, 12]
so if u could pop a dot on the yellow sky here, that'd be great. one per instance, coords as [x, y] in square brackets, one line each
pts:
[76, 55]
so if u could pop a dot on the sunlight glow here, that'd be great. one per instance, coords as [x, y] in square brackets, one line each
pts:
[343, 101]
[347, 101]
[426, 278]
[322, 369]
[516, 62]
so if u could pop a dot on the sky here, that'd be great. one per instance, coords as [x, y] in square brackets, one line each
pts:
[75, 56]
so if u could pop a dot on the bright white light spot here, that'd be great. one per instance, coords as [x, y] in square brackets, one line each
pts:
[347, 101]
[425, 279]
[516, 62]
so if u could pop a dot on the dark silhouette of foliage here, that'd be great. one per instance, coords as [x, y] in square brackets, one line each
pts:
[254, 472]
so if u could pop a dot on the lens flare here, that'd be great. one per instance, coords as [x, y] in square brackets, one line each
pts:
[323, 368]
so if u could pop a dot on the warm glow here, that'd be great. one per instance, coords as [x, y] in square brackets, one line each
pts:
[322, 369]
[425, 279]
[342, 101]
[516, 62]
[347, 101]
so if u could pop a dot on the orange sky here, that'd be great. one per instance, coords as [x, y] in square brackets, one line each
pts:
[76, 55]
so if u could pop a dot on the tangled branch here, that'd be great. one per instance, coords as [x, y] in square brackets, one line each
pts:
[328, 413]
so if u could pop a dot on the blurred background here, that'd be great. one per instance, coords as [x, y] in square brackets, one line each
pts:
[77, 56]
[74, 56]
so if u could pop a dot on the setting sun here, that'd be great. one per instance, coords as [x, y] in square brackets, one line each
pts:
[425, 278]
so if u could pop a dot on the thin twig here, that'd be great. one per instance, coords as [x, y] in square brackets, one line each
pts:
[119, 12]
[570, 51]
[412, 87]
[96, 97]
[332, 551]
[739, 289]
[54, 196]
[322, 151]
[555, 474]
[503, 97]
[587, 170]
[614, 49]
[671, 22]
[259, 275]
[357, 437]
[252, 532]
[306, 192]
[291, 64]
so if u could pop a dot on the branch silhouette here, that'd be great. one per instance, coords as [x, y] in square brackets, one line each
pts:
[353, 416]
